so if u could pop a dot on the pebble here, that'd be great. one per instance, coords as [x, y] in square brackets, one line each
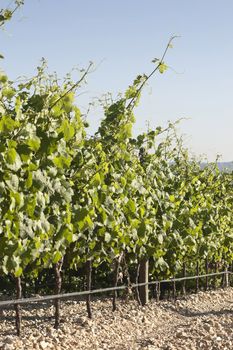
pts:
[44, 345]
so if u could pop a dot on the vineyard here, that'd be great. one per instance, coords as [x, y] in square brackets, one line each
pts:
[103, 207]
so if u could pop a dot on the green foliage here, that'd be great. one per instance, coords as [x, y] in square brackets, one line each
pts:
[162, 67]
[64, 194]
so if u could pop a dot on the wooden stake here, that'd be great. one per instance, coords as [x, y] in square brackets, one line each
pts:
[58, 284]
[157, 289]
[184, 282]
[88, 298]
[17, 307]
[116, 273]
[174, 289]
[215, 277]
[143, 278]
[197, 280]
[136, 282]
[226, 277]
[206, 271]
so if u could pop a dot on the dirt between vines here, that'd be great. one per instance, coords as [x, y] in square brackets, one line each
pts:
[203, 321]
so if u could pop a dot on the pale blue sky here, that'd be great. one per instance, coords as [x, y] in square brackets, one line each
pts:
[125, 35]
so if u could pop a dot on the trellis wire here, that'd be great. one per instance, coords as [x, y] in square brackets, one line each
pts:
[104, 290]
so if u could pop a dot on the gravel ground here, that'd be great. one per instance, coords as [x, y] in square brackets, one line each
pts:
[203, 321]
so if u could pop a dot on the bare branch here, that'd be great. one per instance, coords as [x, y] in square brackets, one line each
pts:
[131, 104]
[73, 87]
